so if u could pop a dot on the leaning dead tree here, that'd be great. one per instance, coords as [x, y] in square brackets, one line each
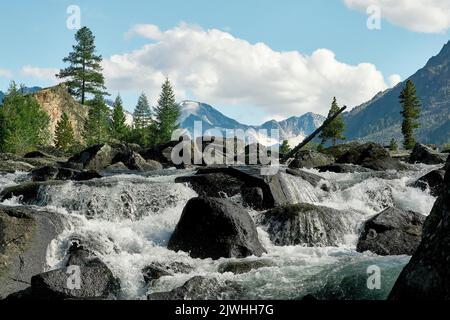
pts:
[312, 135]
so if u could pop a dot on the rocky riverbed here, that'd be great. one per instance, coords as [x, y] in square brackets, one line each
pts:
[140, 227]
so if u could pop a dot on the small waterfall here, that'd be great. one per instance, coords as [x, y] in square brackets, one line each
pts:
[290, 189]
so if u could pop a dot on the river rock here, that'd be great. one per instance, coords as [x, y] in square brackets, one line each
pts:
[392, 232]
[343, 168]
[423, 154]
[156, 270]
[313, 179]
[10, 166]
[57, 173]
[340, 149]
[25, 235]
[310, 159]
[244, 266]
[372, 156]
[96, 157]
[307, 224]
[427, 275]
[28, 192]
[200, 288]
[214, 184]
[434, 181]
[215, 228]
[253, 197]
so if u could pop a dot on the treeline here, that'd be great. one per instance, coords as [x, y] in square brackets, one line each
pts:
[25, 126]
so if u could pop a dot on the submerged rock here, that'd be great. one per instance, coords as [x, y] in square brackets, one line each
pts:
[310, 159]
[307, 224]
[392, 232]
[423, 154]
[244, 266]
[156, 270]
[215, 228]
[433, 181]
[24, 237]
[427, 275]
[200, 288]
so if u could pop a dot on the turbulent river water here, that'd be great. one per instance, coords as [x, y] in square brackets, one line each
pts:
[128, 219]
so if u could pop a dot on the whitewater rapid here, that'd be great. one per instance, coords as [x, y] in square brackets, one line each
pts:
[127, 221]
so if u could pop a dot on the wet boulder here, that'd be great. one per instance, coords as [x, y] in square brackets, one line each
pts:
[58, 173]
[96, 157]
[311, 178]
[424, 154]
[392, 232]
[340, 149]
[11, 166]
[134, 161]
[156, 270]
[310, 159]
[427, 275]
[161, 153]
[215, 228]
[434, 181]
[214, 184]
[244, 266]
[372, 156]
[253, 197]
[25, 235]
[307, 224]
[200, 288]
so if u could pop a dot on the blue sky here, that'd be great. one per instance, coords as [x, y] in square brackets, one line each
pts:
[35, 37]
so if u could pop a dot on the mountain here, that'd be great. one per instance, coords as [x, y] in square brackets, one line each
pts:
[294, 129]
[380, 119]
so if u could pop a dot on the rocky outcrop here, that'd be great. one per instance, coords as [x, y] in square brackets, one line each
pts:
[24, 237]
[392, 232]
[306, 224]
[215, 228]
[434, 181]
[423, 154]
[200, 288]
[372, 156]
[340, 149]
[310, 159]
[427, 275]
[102, 156]
[55, 101]
[244, 266]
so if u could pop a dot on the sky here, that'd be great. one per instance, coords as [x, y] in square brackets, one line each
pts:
[253, 60]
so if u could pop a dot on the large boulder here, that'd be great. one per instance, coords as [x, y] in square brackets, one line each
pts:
[427, 275]
[214, 184]
[434, 181]
[307, 224]
[161, 153]
[200, 288]
[96, 157]
[134, 161]
[58, 173]
[340, 149]
[423, 154]
[96, 279]
[244, 266]
[156, 270]
[392, 232]
[25, 235]
[310, 159]
[215, 228]
[372, 156]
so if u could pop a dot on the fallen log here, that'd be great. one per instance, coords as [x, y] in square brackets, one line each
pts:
[312, 135]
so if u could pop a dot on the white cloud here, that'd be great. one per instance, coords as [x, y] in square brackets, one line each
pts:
[428, 16]
[394, 80]
[5, 73]
[215, 67]
[40, 73]
[149, 31]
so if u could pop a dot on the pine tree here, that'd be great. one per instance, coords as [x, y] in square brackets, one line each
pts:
[334, 131]
[64, 136]
[119, 129]
[285, 148]
[410, 113]
[166, 113]
[23, 124]
[142, 113]
[393, 146]
[85, 71]
[97, 126]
